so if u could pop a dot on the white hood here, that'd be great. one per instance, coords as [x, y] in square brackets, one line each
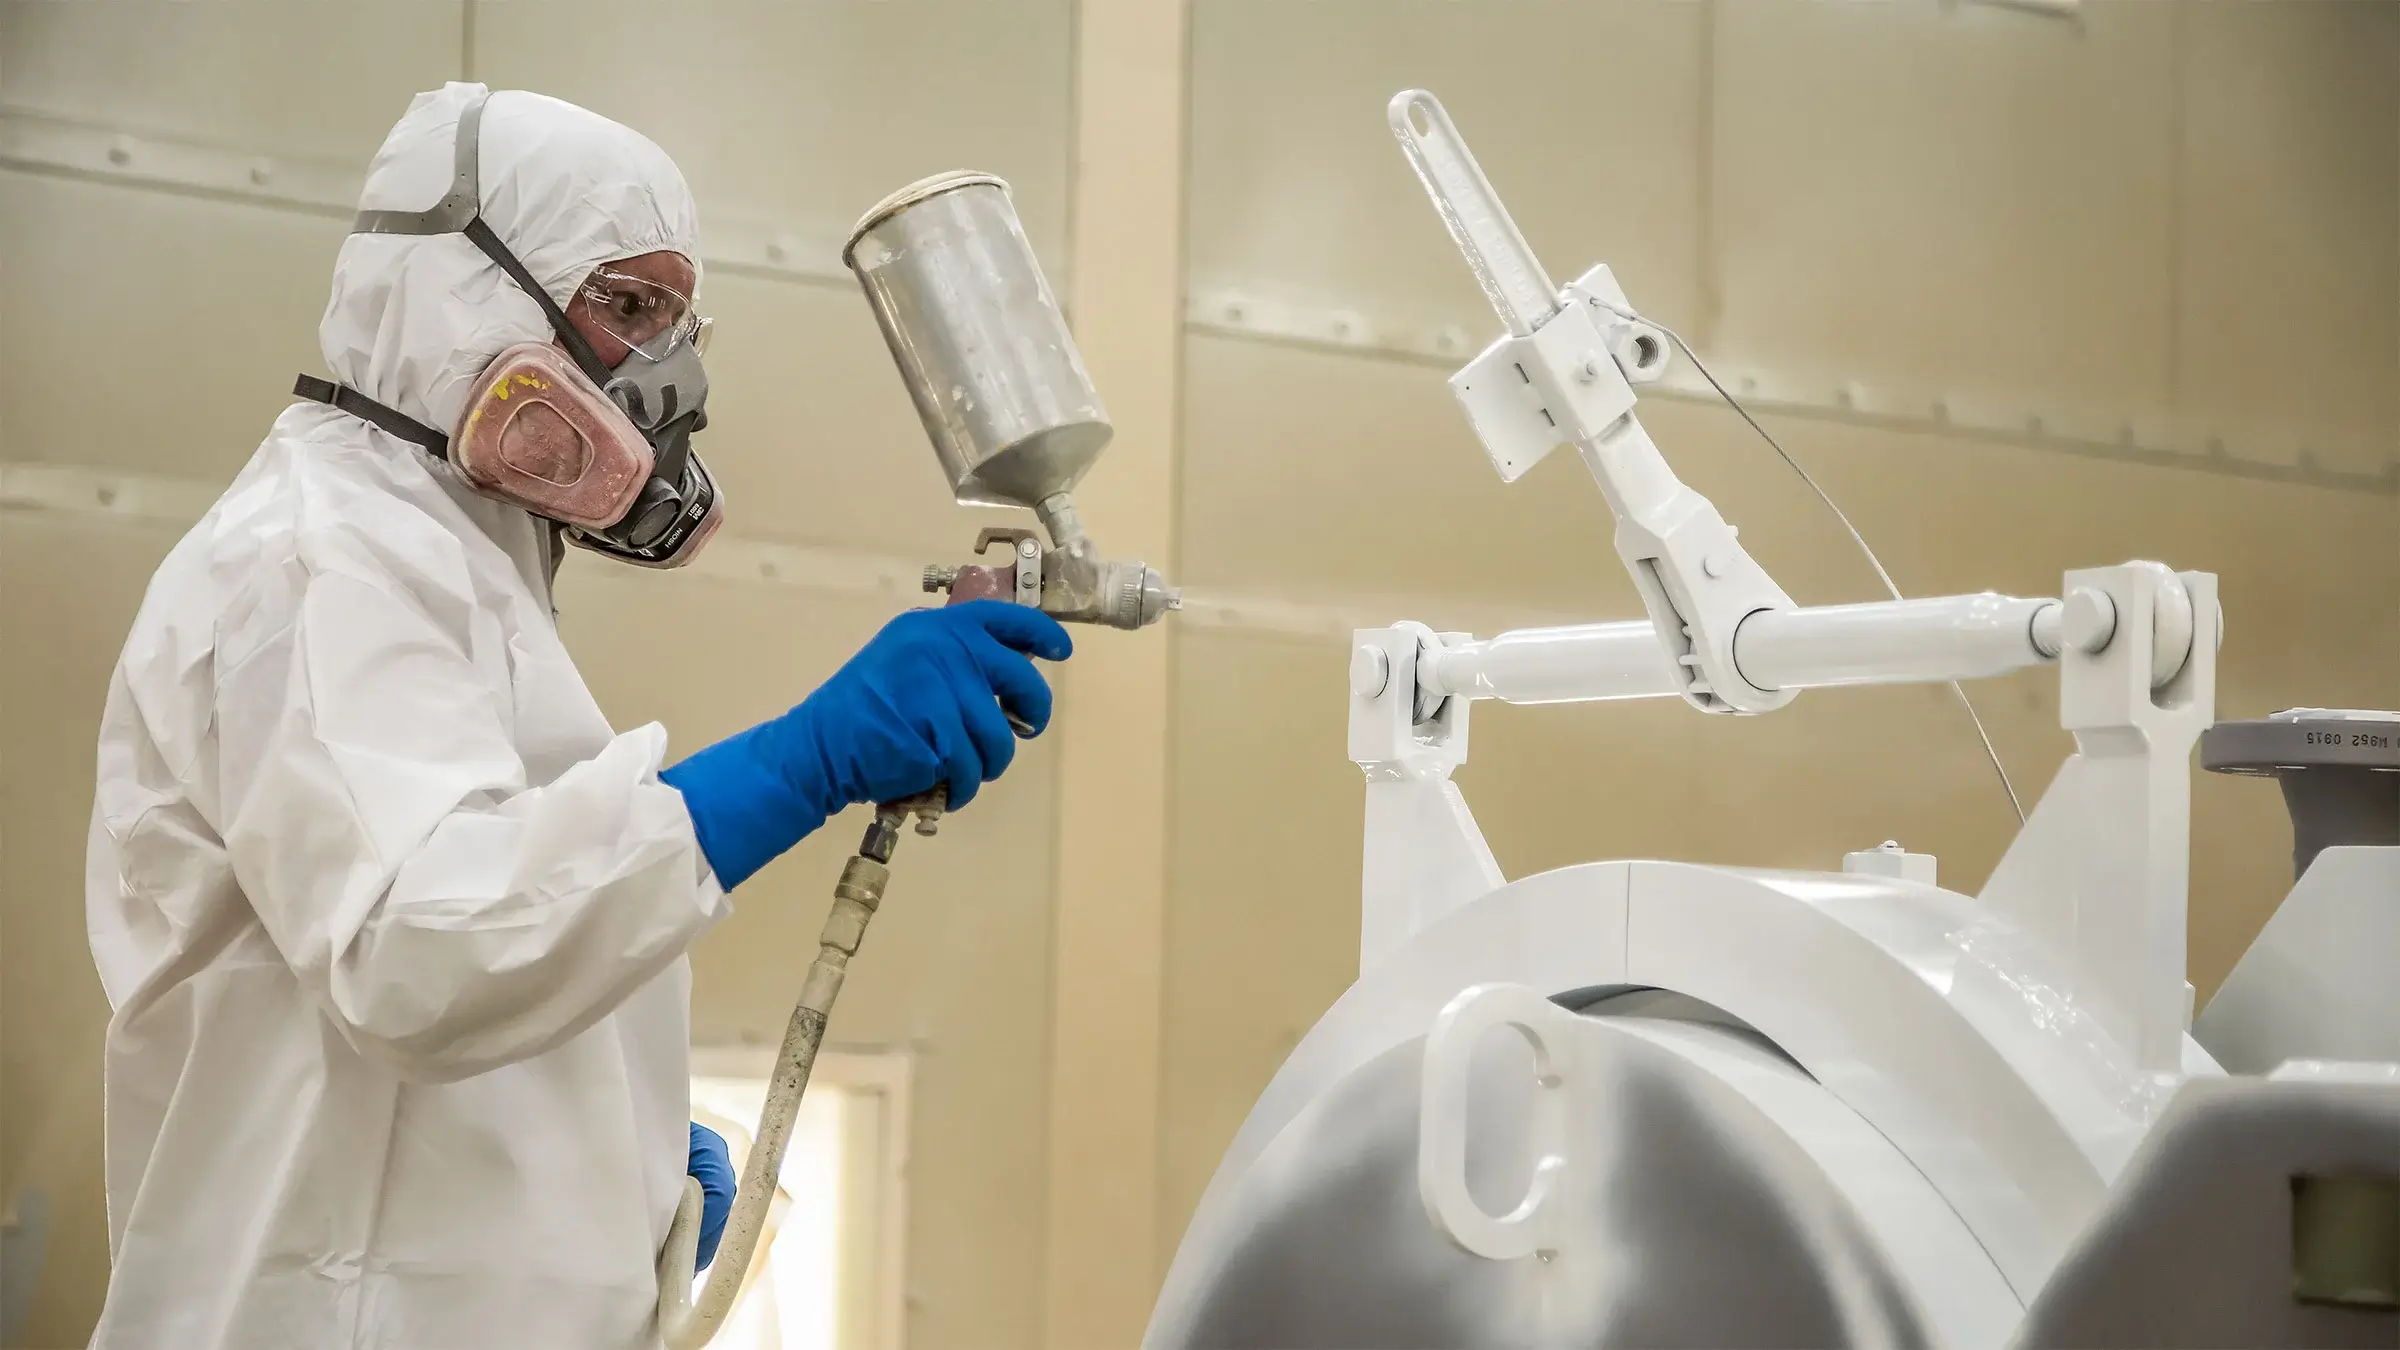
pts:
[414, 319]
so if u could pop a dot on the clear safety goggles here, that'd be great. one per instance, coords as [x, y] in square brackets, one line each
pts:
[638, 313]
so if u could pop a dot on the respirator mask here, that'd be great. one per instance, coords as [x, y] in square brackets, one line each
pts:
[603, 451]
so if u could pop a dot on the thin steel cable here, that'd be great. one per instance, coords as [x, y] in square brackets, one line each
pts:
[1990, 751]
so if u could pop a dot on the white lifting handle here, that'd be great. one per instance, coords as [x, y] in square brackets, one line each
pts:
[1512, 278]
[1533, 1226]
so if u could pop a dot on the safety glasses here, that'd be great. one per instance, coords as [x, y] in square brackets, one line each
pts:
[638, 313]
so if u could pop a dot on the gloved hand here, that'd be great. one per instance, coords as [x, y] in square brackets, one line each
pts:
[921, 704]
[711, 1165]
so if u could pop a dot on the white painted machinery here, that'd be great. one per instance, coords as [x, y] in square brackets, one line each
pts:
[1739, 1107]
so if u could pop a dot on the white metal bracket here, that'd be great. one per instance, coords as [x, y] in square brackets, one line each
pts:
[1891, 860]
[2100, 874]
[1424, 854]
[1607, 353]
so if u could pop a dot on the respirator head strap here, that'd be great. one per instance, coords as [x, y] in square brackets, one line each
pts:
[358, 405]
[481, 234]
[458, 206]
[460, 211]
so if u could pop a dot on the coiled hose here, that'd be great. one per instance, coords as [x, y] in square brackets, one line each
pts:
[682, 1323]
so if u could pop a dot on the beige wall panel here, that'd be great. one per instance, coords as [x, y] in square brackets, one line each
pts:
[1322, 476]
[152, 332]
[800, 117]
[1948, 201]
[1311, 474]
[1262, 909]
[266, 75]
[1299, 192]
[812, 432]
[810, 427]
[68, 591]
[2289, 333]
[1115, 775]
[956, 969]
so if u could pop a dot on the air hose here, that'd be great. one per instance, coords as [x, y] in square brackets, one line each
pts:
[687, 1325]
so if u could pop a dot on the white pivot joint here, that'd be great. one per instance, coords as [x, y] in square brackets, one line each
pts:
[1424, 855]
[1564, 374]
[2099, 876]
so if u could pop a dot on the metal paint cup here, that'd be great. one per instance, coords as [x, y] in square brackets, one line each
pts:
[979, 340]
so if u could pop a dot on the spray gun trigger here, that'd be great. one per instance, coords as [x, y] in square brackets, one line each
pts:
[1015, 537]
[1025, 549]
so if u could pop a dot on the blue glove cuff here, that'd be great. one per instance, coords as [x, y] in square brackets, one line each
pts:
[746, 806]
[930, 702]
[710, 1163]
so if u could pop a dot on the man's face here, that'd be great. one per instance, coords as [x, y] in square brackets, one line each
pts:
[626, 303]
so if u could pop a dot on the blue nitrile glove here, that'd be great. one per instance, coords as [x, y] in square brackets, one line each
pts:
[919, 705]
[711, 1165]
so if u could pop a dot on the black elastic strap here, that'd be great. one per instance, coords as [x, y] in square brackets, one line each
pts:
[365, 409]
[460, 211]
[486, 239]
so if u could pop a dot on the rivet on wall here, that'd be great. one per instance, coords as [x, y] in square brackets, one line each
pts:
[43, 144]
[2142, 439]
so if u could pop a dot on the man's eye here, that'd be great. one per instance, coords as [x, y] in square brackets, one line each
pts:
[626, 305]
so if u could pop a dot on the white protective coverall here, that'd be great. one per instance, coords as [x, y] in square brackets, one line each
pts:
[392, 921]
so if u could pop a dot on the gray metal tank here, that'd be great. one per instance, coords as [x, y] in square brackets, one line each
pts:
[979, 339]
[1701, 1224]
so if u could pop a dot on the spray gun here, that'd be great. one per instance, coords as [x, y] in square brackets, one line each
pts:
[1014, 420]
[997, 380]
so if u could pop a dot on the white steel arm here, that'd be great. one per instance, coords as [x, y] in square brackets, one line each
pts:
[2096, 880]
[1564, 374]
[1952, 637]
[1727, 638]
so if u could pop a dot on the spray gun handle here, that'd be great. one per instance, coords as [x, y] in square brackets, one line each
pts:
[991, 583]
